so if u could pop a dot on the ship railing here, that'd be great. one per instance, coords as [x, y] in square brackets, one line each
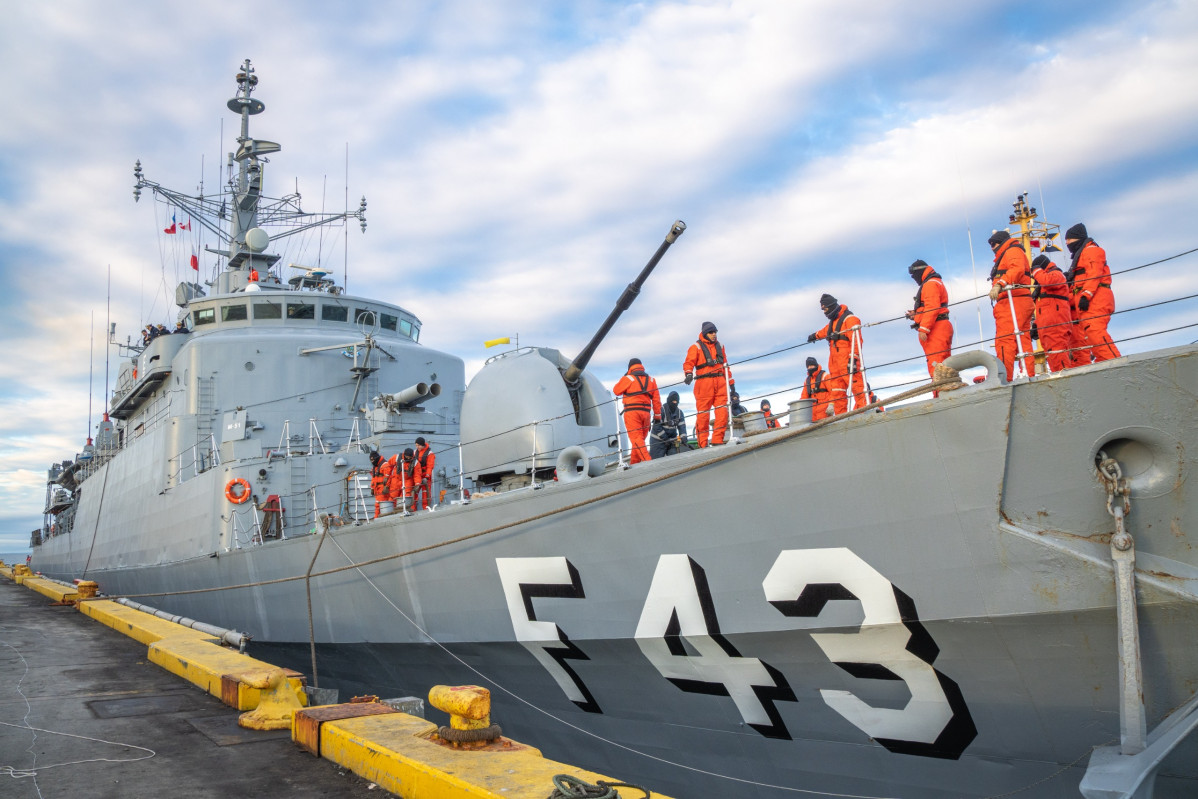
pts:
[196, 459]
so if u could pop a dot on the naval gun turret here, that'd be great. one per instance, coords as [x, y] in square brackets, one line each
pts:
[525, 407]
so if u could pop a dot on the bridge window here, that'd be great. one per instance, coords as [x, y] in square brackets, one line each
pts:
[205, 316]
[334, 313]
[301, 310]
[233, 313]
[388, 321]
[268, 310]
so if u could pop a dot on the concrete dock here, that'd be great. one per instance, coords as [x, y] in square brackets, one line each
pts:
[78, 693]
[87, 709]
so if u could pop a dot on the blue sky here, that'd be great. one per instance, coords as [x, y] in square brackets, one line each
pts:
[522, 160]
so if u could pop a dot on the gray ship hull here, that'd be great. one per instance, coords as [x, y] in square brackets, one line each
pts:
[913, 603]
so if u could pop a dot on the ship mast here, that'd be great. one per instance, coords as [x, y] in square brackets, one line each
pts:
[244, 206]
[246, 240]
[1033, 233]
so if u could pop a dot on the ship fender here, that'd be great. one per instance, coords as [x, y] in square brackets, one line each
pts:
[238, 490]
[578, 463]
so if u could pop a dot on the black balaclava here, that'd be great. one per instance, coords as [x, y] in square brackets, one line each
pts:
[916, 270]
[812, 365]
[829, 305]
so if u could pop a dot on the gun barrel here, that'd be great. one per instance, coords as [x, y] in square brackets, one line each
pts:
[622, 304]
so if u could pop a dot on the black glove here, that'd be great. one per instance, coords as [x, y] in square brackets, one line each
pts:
[811, 339]
[1035, 332]
[689, 378]
[1083, 303]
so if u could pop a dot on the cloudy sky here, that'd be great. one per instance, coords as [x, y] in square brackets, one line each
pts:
[522, 160]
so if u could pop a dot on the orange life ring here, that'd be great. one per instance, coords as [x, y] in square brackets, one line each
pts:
[234, 497]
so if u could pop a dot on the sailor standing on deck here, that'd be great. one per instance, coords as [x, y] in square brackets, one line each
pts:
[771, 421]
[706, 365]
[641, 401]
[1092, 296]
[735, 406]
[843, 333]
[814, 388]
[1010, 291]
[428, 461]
[380, 479]
[930, 315]
[1053, 321]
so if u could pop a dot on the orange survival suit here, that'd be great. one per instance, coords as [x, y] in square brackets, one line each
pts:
[1092, 296]
[930, 316]
[406, 479]
[641, 399]
[380, 479]
[845, 376]
[1010, 270]
[771, 421]
[1054, 324]
[707, 365]
[814, 388]
[428, 461]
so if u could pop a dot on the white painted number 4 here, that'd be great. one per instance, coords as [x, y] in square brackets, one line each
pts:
[679, 607]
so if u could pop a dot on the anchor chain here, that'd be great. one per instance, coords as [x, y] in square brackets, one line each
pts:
[1132, 721]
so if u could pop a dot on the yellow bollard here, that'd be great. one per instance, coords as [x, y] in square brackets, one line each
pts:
[468, 706]
[276, 705]
[87, 588]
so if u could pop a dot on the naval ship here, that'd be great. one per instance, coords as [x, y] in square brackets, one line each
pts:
[992, 591]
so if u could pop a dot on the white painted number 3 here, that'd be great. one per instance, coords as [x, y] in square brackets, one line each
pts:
[890, 645]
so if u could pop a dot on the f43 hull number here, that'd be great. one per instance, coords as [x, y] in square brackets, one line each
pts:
[891, 644]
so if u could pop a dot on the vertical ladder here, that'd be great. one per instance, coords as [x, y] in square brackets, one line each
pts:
[299, 499]
[205, 405]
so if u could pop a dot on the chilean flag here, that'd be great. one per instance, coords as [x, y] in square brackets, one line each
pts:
[170, 230]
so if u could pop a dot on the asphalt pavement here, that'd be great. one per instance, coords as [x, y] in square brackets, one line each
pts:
[83, 713]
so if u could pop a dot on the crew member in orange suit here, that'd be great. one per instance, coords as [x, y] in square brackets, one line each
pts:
[428, 461]
[1091, 280]
[406, 479]
[771, 421]
[706, 365]
[843, 333]
[1009, 275]
[930, 316]
[1079, 353]
[815, 387]
[642, 406]
[1054, 324]
[380, 479]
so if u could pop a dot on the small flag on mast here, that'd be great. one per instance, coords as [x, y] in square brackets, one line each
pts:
[195, 262]
[170, 230]
[186, 226]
